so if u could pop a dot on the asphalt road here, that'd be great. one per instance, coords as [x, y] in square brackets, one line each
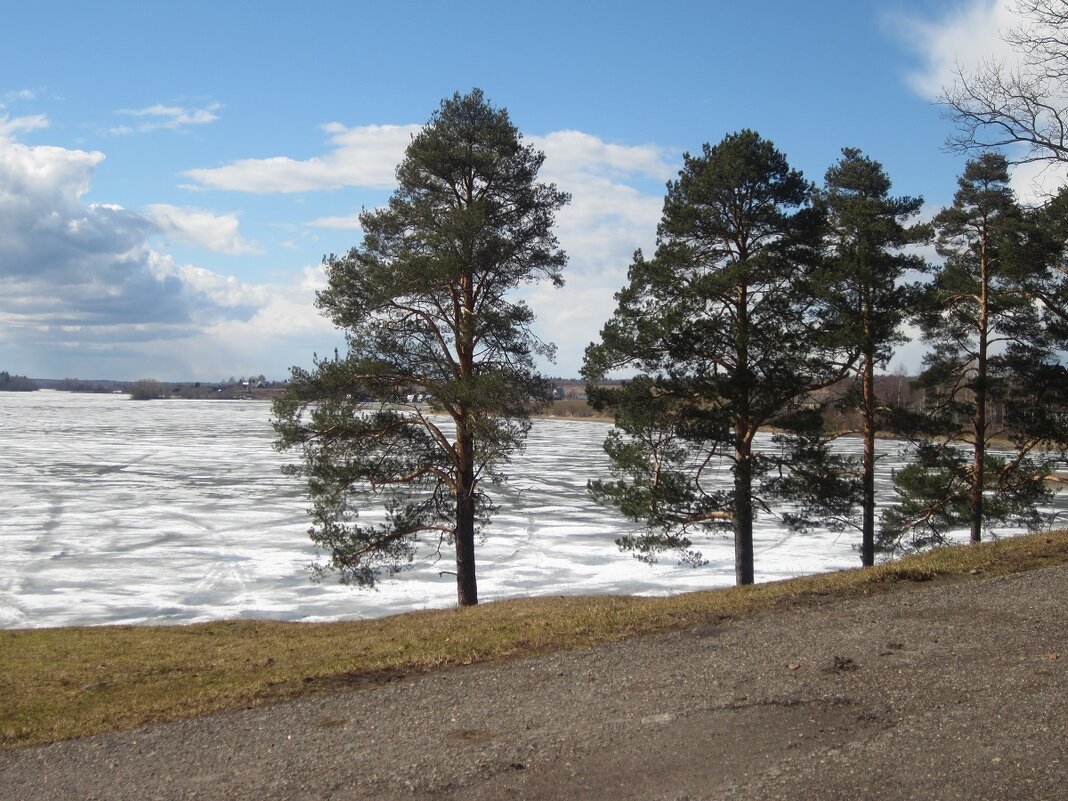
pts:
[952, 691]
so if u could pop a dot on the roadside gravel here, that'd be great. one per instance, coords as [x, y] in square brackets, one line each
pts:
[934, 691]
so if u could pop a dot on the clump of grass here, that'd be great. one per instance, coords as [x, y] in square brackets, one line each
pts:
[62, 683]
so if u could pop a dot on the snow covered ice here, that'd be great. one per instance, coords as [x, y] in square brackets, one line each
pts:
[175, 511]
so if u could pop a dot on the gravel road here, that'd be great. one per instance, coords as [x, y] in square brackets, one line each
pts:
[934, 691]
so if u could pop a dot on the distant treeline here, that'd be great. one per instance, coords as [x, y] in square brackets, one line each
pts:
[146, 388]
[150, 388]
[16, 383]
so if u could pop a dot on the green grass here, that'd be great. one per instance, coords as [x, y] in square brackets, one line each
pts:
[58, 684]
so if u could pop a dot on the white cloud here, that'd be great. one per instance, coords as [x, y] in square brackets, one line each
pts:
[83, 293]
[364, 156]
[967, 36]
[9, 126]
[575, 152]
[347, 222]
[222, 290]
[966, 39]
[1036, 182]
[171, 118]
[42, 179]
[70, 267]
[572, 317]
[284, 330]
[216, 232]
[609, 217]
[313, 278]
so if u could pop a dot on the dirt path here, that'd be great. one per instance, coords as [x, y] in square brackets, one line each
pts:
[933, 692]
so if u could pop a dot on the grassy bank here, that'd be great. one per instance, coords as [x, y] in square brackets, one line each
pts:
[62, 683]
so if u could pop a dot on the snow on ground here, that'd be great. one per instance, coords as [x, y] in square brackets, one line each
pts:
[175, 511]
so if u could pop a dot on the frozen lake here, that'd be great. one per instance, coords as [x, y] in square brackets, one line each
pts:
[175, 511]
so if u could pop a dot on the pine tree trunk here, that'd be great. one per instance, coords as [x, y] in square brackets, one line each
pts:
[978, 459]
[979, 422]
[979, 456]
[743, 514]
[466, 587]
[867, 540]
[743, 447]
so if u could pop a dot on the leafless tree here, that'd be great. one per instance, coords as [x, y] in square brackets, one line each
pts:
[1019, 103]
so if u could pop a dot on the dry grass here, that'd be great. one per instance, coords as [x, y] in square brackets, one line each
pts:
[61, 683]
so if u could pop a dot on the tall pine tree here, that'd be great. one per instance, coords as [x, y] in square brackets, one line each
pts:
[990, 374]
[727, 336]
[866, 233]
[433, 331]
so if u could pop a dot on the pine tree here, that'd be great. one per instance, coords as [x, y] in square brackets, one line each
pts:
[990, 375]
[434, 392]
[726, 334]
[866, 232]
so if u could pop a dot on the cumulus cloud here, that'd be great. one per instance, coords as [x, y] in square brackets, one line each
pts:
[571, 152]
[223, 291]
[364, 156]
[285, 329]
[609, 216]
[965, 37]
[216, 232]
[76, 270]
[1036, 182]
[159, 116]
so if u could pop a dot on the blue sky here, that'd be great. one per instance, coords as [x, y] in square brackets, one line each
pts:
[171, 174]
